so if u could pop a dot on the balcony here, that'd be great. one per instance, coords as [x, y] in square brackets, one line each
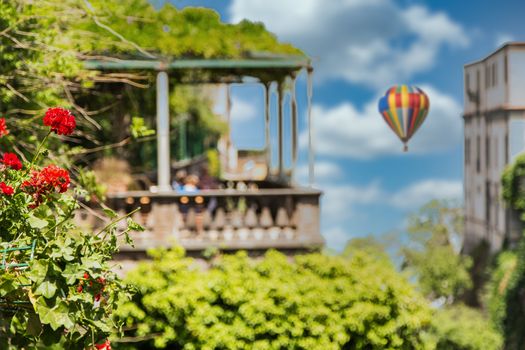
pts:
[285, 219]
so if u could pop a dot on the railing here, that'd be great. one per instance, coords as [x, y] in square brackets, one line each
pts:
[228, 219]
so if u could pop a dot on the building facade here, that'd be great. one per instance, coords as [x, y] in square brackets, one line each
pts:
[494, 134]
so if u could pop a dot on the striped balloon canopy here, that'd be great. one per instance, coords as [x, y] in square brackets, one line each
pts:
[404, 108]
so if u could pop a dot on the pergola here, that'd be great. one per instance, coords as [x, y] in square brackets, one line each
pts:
[266, 70]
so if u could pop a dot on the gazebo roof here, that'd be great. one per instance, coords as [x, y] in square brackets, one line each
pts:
[268, 67]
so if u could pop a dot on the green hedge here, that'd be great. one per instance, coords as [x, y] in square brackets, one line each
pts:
[311, 302]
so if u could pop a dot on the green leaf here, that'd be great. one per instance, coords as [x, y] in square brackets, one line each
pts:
[7, 284]
[55, 317]
[37, 223]
[34, 326]
[110, 213]
[38, 271]
[46, 289]
[92, 262]
[72, 273]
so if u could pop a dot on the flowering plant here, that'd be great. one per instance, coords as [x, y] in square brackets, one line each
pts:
[64, 291]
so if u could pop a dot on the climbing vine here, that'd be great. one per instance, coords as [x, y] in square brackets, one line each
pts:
[513, 291]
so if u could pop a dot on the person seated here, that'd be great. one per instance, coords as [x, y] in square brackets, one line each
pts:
[178, 182]
[191, 183]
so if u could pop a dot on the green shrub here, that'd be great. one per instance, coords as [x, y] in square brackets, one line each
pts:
[312, 301]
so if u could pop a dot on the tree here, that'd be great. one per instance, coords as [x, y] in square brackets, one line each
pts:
[460, 327]
[431, 255]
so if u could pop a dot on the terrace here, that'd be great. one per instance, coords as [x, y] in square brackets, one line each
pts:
[256, 205]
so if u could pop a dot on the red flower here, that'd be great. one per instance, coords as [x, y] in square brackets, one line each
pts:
[60, 120]
[104, 346]
[3, 128]
[48, 180]
[6, 189]
[86, 275]
[12, 161]
[80, 288]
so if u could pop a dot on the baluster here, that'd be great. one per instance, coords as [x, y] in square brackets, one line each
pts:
[227, 233]
[265, 222]
[217, 224]
[190, 222]
[178, 222]
[236, 220]
[250, 222]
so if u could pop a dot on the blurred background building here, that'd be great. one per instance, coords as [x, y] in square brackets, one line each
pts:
[494, 121]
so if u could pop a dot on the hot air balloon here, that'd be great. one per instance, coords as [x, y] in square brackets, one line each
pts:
[404, 108]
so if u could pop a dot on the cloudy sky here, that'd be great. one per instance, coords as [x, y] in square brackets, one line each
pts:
[360, 48]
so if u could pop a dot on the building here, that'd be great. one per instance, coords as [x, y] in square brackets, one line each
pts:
[494, 131]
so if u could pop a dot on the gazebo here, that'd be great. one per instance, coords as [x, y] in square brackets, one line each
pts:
[278, 215]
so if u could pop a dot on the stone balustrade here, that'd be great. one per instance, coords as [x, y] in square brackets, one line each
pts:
[227, 219]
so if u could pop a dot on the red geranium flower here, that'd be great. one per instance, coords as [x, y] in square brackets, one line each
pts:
[6, 189]
[104, 346]
[3, 128]
[50, 179]
[60, 120]
[12, 161]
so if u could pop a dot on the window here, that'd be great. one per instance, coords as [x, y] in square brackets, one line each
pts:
[506, 148]
[487, 76]
[467, 151]
[494, 74]
[497, 157]
[487, 204]
[478, 154]
[506, 69]
[478, 80]
[487, 152]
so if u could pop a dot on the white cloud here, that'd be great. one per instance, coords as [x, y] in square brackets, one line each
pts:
[373, 42]
[344, 131]
[324, 171]
[242, 110]
[502, 38]
[339, 201]
[416, 195]
[345, 202]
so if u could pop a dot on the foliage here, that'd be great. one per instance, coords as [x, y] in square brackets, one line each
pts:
[42, 45]
[68, 291]
[430, 254]
[498, 285]
[370, 245]
[512, 184]
[190, 32]
[513, 316]
[462, 328]
[311, 302]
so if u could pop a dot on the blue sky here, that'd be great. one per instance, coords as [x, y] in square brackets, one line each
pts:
[360, 48]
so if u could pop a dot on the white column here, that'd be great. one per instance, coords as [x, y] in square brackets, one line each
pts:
[280, 127]
[163, 133]
[311, 155]
[268, 145]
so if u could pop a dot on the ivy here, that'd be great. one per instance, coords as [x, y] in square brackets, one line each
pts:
[509, 306]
